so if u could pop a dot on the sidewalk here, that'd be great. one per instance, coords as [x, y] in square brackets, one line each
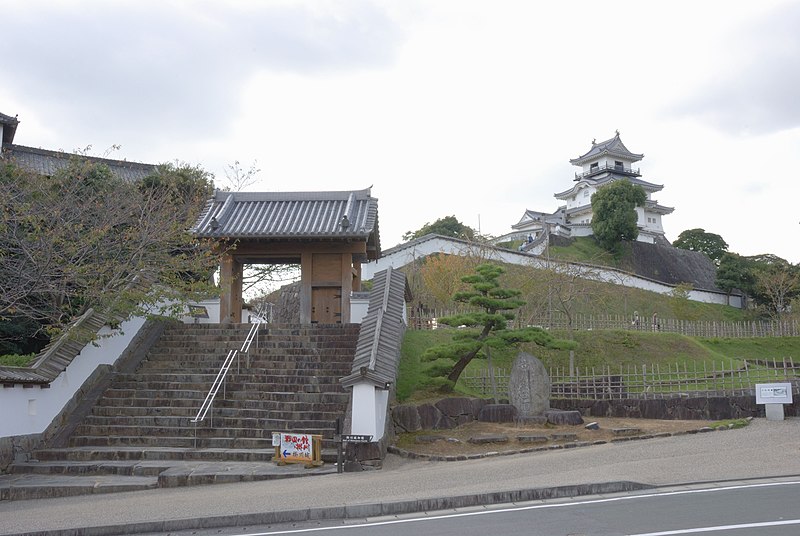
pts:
[763, 449]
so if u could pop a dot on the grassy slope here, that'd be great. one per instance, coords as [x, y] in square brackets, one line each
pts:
[600, 349]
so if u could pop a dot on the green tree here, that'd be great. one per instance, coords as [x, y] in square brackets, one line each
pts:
[77, 239]
[486, 326]
[448, 226]
[776, 283]
[735, 272]
[699, 240]
[614, 207]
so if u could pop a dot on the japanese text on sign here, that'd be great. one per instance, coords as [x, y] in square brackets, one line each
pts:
[773, 393]
[295, 447]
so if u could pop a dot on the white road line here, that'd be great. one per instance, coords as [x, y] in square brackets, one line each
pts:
[722, 527]
[544, 506]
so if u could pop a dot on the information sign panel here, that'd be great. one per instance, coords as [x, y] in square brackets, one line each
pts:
[773, 393]
[295, 447]
[356, 438]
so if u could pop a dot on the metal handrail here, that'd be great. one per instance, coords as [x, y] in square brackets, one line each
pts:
[223, 372]
[218, 381]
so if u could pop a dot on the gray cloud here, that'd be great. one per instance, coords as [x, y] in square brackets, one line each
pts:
[176, 66]
[758, 92]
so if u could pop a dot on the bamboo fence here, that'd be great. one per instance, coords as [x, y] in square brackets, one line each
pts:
[692, 328]
[649, 381]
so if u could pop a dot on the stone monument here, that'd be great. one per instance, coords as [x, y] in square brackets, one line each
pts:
[529, 388]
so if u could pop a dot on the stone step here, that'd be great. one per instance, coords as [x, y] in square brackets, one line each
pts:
[195, 374]
[23, 486]
[286, 339]
[204, 353]
[280, 383]
[226, 443]
[153, 394]
[140, 435]
[92, 467]
[176, 428]
[180, 442]
[331, 370]
[181, 364]
[265, 408]
[178, 381]
[220, 419]
[31, 486]
[121, 400]
[86, 454]
[262, 392]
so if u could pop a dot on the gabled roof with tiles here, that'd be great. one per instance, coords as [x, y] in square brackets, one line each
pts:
[336, 215]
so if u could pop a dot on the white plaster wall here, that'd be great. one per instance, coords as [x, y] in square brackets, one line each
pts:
[408, 254]
[31, 410]
[369, 410]
[358, 309]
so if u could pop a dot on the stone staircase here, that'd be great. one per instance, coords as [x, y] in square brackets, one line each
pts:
[140, 436]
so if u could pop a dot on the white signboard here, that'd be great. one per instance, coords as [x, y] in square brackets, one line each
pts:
[773, 393]
[296, 447]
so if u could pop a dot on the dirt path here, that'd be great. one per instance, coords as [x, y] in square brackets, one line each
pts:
[457, 442]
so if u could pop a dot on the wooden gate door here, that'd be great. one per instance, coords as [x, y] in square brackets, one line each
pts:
[326, 305]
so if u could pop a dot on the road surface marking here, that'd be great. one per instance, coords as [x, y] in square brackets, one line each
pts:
[543, 506]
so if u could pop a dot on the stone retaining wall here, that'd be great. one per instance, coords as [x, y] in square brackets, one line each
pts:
[442, 415]
[704, 408]
[448, 413]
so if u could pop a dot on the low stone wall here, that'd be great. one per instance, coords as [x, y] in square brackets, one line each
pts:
[704, 408]
[17, 448]
[448, 413]
[445, 414]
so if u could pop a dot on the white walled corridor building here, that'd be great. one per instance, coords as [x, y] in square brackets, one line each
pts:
[605, 162]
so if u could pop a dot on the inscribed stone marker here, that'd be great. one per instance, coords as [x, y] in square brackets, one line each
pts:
[529, 386]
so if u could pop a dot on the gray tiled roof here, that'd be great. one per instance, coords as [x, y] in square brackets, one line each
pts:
[382, 329]
[541, 217]
[60, 352]
[46, 162]
[613, 147]
[9, 128]
[600, 180]
[297, 215]
[55, 358]
[8, 120]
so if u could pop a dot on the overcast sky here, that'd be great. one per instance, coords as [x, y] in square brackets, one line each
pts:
[465, 108]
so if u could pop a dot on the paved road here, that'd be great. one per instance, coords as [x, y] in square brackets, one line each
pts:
[736, 508]
[763, 449]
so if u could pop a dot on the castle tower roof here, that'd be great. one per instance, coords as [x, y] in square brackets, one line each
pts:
[612, 147]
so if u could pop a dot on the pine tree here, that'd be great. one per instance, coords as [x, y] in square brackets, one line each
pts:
[486, 326]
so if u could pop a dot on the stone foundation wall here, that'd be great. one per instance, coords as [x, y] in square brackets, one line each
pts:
[451, 412]
[442, 415]
[17, 448]
[706, 408]
[287, 308]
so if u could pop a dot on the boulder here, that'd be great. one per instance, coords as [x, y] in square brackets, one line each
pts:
[557, 416]
[406, 418]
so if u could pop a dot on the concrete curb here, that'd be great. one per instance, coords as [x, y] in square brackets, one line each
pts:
[349, 511]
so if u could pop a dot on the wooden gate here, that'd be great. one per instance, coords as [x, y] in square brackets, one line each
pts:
[326, 305]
